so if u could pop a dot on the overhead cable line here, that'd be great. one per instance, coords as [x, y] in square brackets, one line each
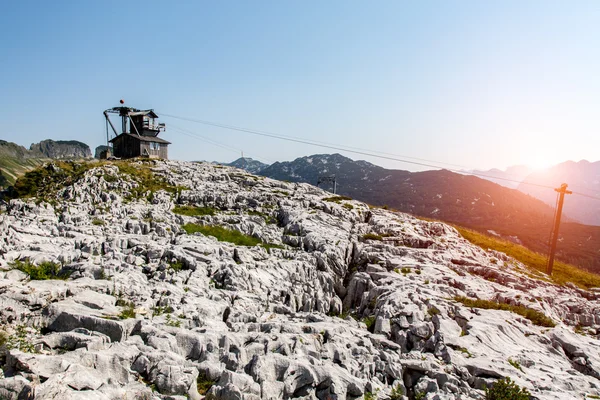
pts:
[211, 141]
[361, 152]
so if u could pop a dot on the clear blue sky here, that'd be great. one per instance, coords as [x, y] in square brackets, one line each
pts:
[478, 83]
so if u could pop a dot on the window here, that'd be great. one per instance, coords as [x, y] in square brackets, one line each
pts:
[154, 146]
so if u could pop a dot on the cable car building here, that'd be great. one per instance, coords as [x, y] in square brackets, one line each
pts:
[139, 134]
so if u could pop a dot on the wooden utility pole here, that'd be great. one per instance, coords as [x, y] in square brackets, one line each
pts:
[562, 190]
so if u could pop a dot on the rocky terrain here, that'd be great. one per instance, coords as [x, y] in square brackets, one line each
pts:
[464, 200]
[336, 301]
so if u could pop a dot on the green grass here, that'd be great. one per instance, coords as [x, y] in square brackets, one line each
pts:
[192, 211]
[128, 312]
[337, 199]
[44, 181]
[536, 317]
[370, 322]
[372, 236]
[44, 271]
[561, 274]
[515, 364]
[227, 235]
[203, 383]
[97, 221]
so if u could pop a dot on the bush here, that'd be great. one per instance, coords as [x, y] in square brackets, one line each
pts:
[536, 317]
[44, 271]
[506, 389]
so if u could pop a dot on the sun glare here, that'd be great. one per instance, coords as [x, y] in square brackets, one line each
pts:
[539, 162]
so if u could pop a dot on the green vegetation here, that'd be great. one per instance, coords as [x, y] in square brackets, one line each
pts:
[370, 322]
[370, 396]
[172, 321]
[175, 265]
[43, 181]
[159, 310]
[515, 364]
[536, 317]
[337, 199]
[192, 211]
[372, 236]
[44, 271]
[227, 235]
[97, 221]
[18, 340]
[128, 311]
[348, 206]
[433, 311]
[561, 273]
[397, 392]
[13, 167]
[420, 395]
[203, 383]
[506, 389]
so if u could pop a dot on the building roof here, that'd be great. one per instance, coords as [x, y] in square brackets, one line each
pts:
[150, 113]
[142, 138]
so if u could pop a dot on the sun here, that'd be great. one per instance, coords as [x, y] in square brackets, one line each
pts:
[539, 161]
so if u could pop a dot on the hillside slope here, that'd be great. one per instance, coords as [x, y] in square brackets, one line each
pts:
[332, 300]
[15, 160]
[461, 199]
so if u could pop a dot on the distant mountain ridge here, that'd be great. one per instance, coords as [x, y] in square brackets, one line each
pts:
[16, 160]
[248, 164]
[511, 177]
[462, 199]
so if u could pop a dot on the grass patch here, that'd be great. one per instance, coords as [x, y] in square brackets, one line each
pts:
[192, 211]
[97, 221]
[337, 199]
[561, 273]
[372, 236]
[44, 271]
[128, 311]
[515, 364]
[536, 317]
[348, 206]
[203, 383]
[227, 235]
[370, 322]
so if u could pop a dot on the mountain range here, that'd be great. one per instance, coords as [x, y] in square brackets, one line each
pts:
[461, 199]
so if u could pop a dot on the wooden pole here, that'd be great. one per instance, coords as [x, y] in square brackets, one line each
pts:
[562, 190]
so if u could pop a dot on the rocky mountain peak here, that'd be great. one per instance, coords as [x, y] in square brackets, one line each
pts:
[192, 279]
[61, 149]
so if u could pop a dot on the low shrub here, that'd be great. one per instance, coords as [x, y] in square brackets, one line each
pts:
[506, 389]
[44, 271]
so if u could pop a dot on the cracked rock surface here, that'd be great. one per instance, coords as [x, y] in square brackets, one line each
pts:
[340, 302]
